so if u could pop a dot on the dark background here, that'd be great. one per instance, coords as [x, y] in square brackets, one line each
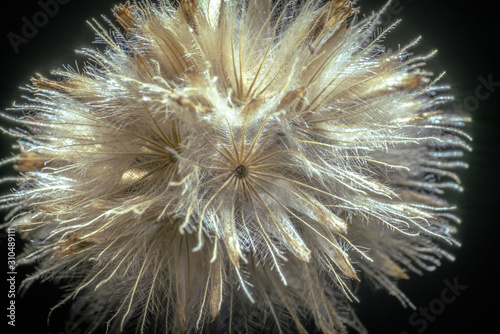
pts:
[466, 35]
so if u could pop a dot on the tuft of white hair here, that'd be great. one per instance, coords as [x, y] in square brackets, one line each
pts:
[234, 165]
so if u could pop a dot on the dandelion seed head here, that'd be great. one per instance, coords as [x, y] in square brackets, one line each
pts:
[233, 165]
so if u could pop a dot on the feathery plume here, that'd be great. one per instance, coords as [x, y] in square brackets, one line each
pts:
[234, 165]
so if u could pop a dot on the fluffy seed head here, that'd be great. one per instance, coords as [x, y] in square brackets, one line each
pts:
[234, 165]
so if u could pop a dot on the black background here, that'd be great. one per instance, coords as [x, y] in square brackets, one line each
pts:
[466, 35]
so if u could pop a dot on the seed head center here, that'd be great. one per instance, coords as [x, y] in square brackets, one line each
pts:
[241, 170]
